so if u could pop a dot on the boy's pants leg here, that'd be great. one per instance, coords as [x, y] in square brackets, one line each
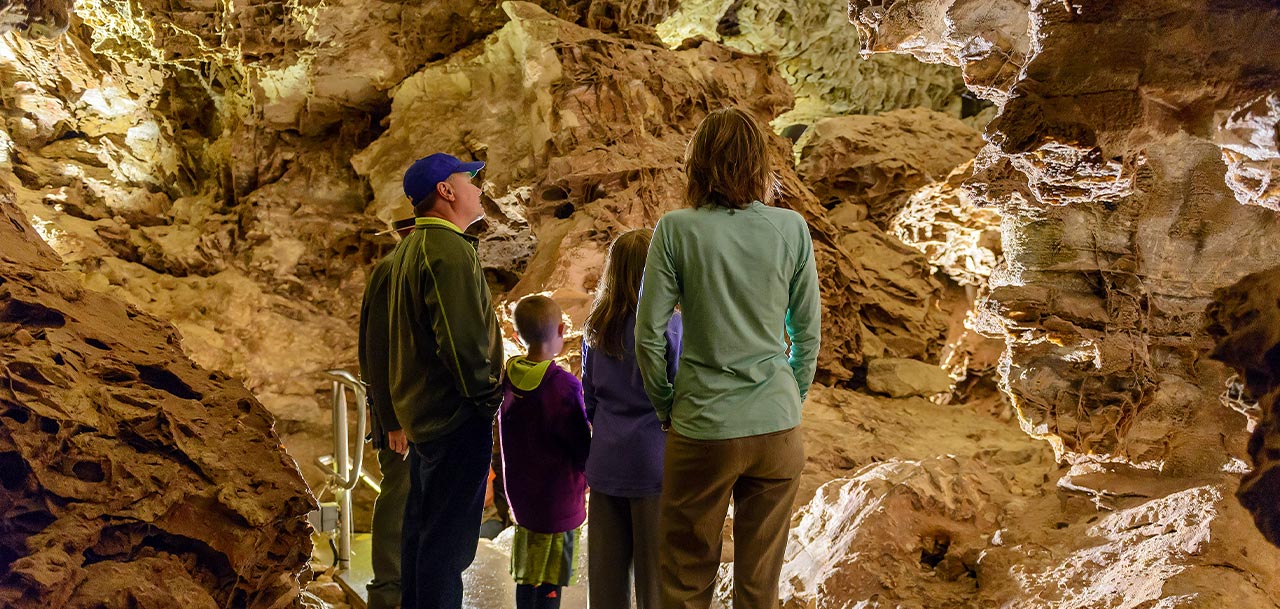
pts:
[442, 515]
[388, 515]
[608, 552]
[763, 473]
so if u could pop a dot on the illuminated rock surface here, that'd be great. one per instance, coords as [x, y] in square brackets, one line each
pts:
[1245, 321]
[224, 167]
[131, 476]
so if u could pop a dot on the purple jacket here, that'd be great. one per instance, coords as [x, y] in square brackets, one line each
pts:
[627, 442]
[545, 437]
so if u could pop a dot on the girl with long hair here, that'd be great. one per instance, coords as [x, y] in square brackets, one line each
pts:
[743, 275]
[624, 468]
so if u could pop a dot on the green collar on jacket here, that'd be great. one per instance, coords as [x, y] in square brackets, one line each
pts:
[526, 374]
[424, 222]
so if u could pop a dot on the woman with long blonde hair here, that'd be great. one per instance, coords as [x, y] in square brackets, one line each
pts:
[744, 277]
[624, 469]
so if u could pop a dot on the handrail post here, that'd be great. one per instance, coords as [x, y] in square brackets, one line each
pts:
[346, 472]
[342, 463]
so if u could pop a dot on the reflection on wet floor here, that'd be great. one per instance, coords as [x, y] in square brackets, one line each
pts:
[487, 582]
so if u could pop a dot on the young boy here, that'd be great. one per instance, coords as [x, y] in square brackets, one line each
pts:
[545, 437]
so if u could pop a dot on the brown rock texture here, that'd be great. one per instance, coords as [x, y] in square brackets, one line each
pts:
[1249, 136]
[942, 506]
[818, 56]
[1244, 319]
[1118, 222]
[131, 476]
[36, 18]
[1120, 182]
[960, 238]
[877, 162]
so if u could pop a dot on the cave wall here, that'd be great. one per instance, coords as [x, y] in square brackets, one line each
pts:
[818, 56]
[225, 166]
[124, 461]
[214, 164]
[1119, 222]
[1131, 186]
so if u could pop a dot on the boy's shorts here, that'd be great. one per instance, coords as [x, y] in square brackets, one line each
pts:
[544, 558]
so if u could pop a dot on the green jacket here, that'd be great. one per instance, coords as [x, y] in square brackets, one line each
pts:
[374, 340]
[445, 349]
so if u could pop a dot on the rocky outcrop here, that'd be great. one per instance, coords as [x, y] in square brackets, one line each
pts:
[966, 514]
[871, 536]
[943, 221]
[123, 461]
[877, 162]
[35, 18]
[818, 56]
[1244, 319]
[1118, 220]
[1249, 137]
[906, 377]
[1120, 193]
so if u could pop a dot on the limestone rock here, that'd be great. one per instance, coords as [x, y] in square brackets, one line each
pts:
[906, 377]
[1102, 183]
[1245, 321]
[878, 161]
[1250, 140]
[945, 223]
[1189, 548]
[1101, 308]
[818, 55]
[36, 18]
[989, 40]
[876, 535]
[847, 431]
[135, 478]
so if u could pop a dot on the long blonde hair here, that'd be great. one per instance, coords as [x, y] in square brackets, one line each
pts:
[617, 293]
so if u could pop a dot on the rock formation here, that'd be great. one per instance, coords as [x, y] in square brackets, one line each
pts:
[1245, 321]
[1120, 190]
[1118, 218]
[960, 238]
[124, 462]
[225, 167]
[817, 53]
[876, 162]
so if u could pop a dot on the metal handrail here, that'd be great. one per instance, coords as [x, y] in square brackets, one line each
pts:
[346, 473]
[341, 378]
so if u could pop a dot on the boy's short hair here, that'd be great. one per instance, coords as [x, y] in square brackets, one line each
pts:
[537, 318]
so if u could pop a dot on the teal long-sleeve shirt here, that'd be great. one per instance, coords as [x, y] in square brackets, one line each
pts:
[745, 281]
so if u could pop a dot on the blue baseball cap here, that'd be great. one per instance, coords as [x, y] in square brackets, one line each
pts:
[423, 175]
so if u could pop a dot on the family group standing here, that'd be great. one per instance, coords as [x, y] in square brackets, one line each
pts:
[697, 355]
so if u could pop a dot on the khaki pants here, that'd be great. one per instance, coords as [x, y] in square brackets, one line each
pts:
[761, 474]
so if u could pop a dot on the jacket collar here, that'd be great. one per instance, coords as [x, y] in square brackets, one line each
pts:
[434, 222]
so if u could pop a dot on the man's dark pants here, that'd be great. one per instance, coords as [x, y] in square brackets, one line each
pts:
[442, 517]
[388, 515]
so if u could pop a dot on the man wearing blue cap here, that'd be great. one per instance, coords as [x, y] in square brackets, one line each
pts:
[444, 367]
